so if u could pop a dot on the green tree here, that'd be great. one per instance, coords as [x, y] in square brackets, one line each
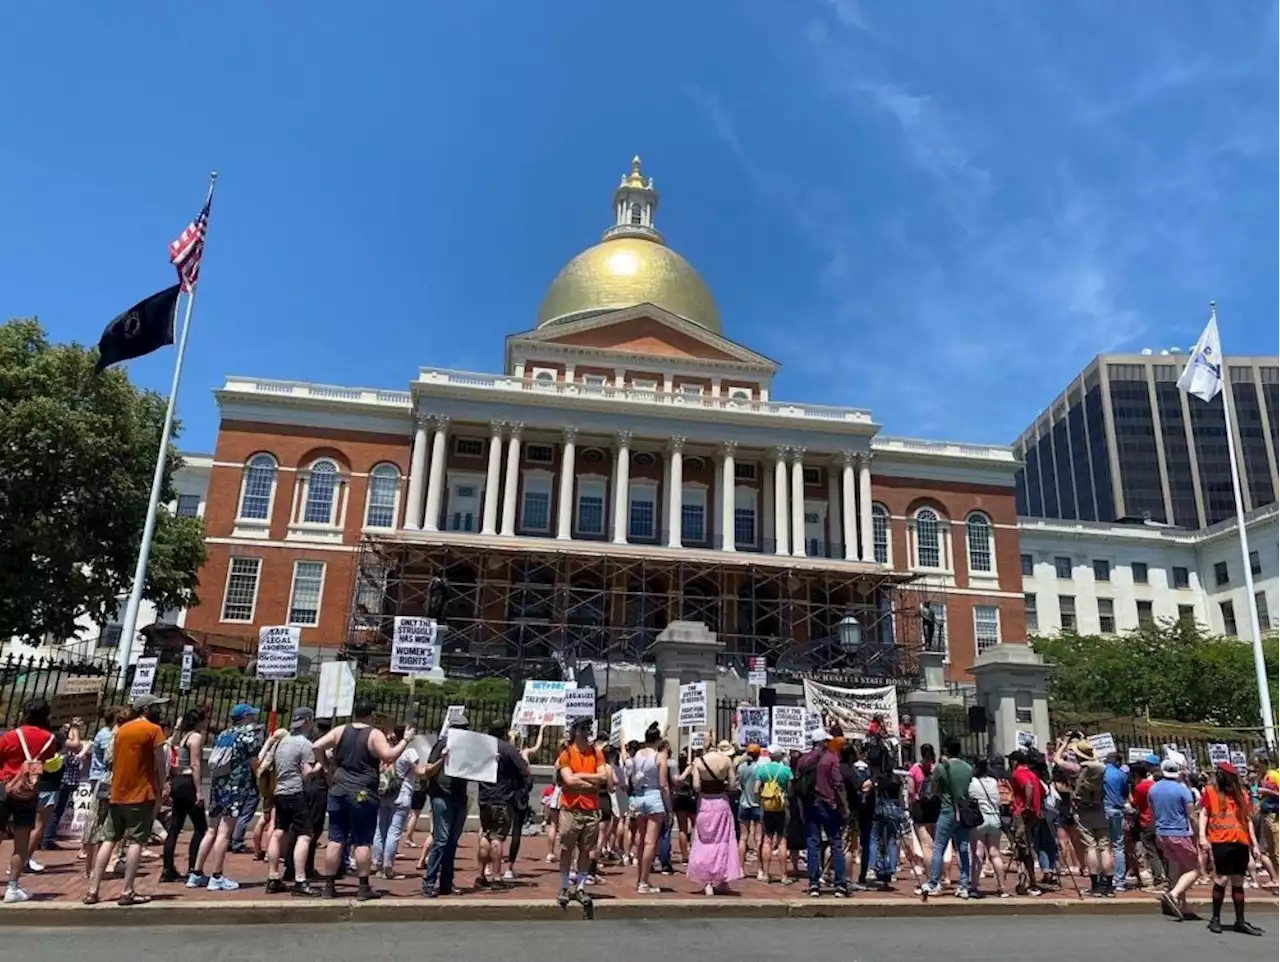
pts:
[77, 453]
[1170, 669]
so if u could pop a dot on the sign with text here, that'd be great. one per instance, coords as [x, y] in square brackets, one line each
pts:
[337, 692]
[615, 729]
[64, 707]
[1138, 754]
[1026, 739]
[753, 726]
[853, 708]
[697, 741]
[812, 722]
[1219, 753]
[1103, 744]
[579, 703]
[544, 702]
[188, 668]
[1240, 761]
[278, 652]
[454, 714]
[144, 677]
[757, 673]
[413, 646]
[693, 705]
[788, 727]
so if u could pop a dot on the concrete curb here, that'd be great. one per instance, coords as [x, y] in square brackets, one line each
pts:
[268, 912]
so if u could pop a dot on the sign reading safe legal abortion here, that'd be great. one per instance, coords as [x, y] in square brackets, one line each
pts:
[278, 652]
[413, 646]
[693, 705]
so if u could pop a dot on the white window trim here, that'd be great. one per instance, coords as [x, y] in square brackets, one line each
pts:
[451, 482]
[300, 530]
[255, 527]
[226, 584]
[530, 476]
[293, 583]
[992, 575]
[944, 544]
[650, 487]
[999, 627]
[888, 533]
[368, 499]
[595, 480]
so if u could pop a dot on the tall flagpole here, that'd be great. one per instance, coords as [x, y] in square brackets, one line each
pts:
[1259, 660]
[130, 626]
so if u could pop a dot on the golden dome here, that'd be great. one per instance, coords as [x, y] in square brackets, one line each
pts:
[625, 271]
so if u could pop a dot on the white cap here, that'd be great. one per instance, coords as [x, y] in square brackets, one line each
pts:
[777, 751]
[819, 735]
[1170, 767]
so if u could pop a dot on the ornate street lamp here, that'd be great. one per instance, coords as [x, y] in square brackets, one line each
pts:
[849, 633]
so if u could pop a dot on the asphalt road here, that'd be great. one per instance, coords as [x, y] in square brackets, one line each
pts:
[853, 940]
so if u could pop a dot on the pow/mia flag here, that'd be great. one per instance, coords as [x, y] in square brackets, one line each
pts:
[143, 328]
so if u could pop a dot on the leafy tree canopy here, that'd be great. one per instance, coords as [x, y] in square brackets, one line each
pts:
[77, 453]
[1170, 669]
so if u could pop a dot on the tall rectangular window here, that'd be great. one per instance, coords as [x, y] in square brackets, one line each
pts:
[1062, 567]
[744, 526]
[304, 600]
[880, 534]
[189, 506]
[1140, 573]
[535, 506]
[1264, 616]
[1101, 570]
[1033, 615]
[986, 627]
[693, 515]
[590, 506]
[1228, 618]
[1028, 565]
[1221, 574]
[1146, 615]
[1067, 612]
[1255, 563]
[640, 517]
[242, 589]
[1181, 577]
[1106, 616]
[1187, 614]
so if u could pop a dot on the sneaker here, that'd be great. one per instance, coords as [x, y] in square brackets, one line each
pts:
[1244, 928]
[815, 892]
[508, 876]
[222, 884]
[34, 867]
[562, 899]
[761, 877]
[841, 892]
[1034, 892]
[1170, 906]
[962, 893]
[197, 881]
[275, 886]
[927, 889]
[304, 890]
[15, 894]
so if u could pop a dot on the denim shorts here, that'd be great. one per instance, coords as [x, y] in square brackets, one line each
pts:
[749, 813]
[351, 822]
[650, 803]
[47, 799]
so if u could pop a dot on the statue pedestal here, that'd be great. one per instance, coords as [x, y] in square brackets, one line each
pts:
[1013, 685]
[685, 652]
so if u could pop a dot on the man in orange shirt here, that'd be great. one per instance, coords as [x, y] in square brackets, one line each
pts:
[137, 778]
[583, 774]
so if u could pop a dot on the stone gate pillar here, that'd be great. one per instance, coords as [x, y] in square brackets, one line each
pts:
[685, 652]
[1013, 685]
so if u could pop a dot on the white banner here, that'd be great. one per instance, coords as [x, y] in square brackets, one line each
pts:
[853, 708]
[1103, 744]
[753, 726]
[278, 652]
[337, 692]
[788, 727]
[144, 677]
[544, 702]
[693, 705]
[413, 646]
[188, 667]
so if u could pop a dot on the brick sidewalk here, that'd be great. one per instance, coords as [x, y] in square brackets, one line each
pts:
[62, 882]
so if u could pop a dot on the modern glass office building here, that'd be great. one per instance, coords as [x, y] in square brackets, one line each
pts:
[1122, 442]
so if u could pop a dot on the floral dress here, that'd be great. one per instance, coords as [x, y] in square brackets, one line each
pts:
[233, 793]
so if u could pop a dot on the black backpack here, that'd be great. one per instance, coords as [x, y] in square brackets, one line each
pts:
[805, 782]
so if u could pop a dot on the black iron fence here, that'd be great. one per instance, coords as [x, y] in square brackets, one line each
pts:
[1131, 735]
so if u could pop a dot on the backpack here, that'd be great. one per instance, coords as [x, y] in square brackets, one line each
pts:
[223, 751]
[389, 782]
[22, 785]
[772, 798]
[1089, 786]
[806, 782]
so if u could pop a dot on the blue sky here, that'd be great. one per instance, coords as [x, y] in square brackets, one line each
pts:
[938, 211]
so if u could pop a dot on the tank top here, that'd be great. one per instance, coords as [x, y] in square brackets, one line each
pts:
[644, 772]
[184, 755]
[356, 768]
[710, 784]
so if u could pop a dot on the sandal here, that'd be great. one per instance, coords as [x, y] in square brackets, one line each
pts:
[133, 898]
[90, 898]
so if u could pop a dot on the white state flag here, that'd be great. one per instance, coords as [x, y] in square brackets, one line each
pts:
[1203, 374]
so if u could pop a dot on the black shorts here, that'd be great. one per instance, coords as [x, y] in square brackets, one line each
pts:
[15, 813]
[685, 803]
[1230, 858]
[775, 823]
[495, 821]
[293, 814]
[606, 807]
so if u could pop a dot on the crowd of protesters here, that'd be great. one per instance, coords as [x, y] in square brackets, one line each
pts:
[1051, 820]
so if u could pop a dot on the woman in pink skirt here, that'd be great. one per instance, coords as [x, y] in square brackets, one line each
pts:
[713, 862]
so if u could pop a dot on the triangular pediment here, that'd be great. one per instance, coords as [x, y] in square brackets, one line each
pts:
[645, 330]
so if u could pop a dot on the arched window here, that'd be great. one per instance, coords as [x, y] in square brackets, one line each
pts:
[384, 483]
[880, 533]
[928, 539]
[636, 217]
[322, 487]
[977, 532]
[259, 484]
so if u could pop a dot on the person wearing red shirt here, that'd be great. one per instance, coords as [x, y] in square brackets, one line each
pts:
[1150, 862]
[1027, 809]
[30, 741]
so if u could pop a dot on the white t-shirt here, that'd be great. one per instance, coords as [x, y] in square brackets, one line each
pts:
[986, 793]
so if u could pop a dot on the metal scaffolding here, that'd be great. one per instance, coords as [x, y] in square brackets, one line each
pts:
[530, 612]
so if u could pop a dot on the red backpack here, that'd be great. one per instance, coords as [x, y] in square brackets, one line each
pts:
[22, 786]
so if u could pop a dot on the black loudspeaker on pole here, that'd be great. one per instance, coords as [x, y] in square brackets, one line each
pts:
[977, 718]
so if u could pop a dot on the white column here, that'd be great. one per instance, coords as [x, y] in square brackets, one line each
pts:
[512, 480]
[492, 479]
[849, 509]
[864, 507]
[833, 509]
[727, 496]
[417, 474]
[435, 480]
[797, 503]
[675, 496]
[564, 510]
[781, 509]
[622, 489]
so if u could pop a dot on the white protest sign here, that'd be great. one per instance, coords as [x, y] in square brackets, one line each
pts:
[615, 729]
[1219, 753]
[1240, 761]
[1138, 754]
[853, 708]
[455, 713]
[413, 646]
[1026, 739]
[697, 741]
[636, 721]
[753, 726]
[144, 677]
[757, 673]
[278, 652]
[812, 722]
[72, 823]
[579, 703]
[1103, 744]
[788, 727]
[1172, 753]
[337, 692]
[188, 667]
[472, 755]
[693, 705]
[544, 702]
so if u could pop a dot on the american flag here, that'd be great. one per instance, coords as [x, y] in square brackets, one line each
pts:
[186, 251]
